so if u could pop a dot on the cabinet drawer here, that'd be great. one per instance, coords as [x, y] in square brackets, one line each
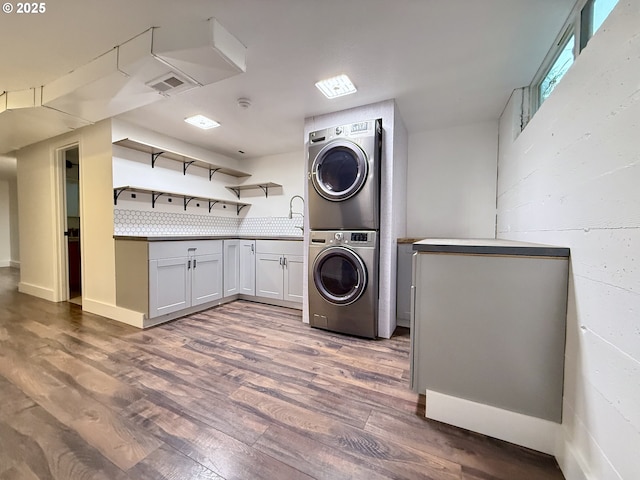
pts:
[182, 248]
[280, 247]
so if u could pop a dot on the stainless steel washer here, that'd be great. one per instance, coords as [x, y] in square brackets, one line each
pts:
[344, 176]
[343, 281]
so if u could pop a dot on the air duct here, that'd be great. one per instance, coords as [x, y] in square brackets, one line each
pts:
[161, 61]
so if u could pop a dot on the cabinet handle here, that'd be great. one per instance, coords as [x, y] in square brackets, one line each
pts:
[189, 265]
[284, 261]
[195, 263]
[280, 261]
[252, 251]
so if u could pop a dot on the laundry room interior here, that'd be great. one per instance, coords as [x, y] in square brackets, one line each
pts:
[271, 240]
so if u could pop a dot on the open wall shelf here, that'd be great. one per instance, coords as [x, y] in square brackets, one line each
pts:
[186, 198]
[156, 152]
[263, 186]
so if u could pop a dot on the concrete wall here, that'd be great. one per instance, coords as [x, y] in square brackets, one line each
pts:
[451, 187]
[572, 178]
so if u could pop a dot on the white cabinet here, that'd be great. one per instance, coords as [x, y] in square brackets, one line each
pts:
[231, 267]
[183, 274]
[293, 275]
[169, 285]
[206, 279]
[247, 276]
[403, 284]
[279, 270]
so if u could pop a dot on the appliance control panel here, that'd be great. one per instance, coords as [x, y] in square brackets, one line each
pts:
[365, 238]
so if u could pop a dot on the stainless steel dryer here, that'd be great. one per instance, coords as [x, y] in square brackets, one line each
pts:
[344, 176]
[343, 281]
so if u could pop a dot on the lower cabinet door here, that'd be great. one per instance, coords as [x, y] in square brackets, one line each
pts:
[248, 267]
[206, 278]
[269, 275]
[293, 276]
[231, 267]
[169, 286]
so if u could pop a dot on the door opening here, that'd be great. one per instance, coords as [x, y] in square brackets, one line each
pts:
[72, 231]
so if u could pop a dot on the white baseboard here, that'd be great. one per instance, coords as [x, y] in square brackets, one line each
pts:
[14, 264]
[530, 432]
[5, 263]
[135, 319]
[37, 291]
[568, 461]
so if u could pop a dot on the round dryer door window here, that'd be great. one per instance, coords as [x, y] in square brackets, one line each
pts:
[339, 170]
[340, 275]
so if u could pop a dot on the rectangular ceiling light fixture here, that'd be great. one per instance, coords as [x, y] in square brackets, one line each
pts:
[202, 122]
[336, 86]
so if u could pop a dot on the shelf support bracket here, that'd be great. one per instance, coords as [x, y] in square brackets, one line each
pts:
[236, 191]
[154, 198]
[265, 189]
[211, 204]
[212, 171]
[239, 207]
[154, 157]
[187, 201]
[116, 194]
[186, 165]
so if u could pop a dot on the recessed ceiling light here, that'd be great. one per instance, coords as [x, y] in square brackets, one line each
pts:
[202, 122]
[336, 86]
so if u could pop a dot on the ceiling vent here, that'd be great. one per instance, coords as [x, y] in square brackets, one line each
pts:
[171, 83]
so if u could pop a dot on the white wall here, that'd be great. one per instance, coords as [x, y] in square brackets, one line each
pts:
[451, 187]
[572, 178]
[5, 225]
[287, 170]
[14, 223]
[41, 234]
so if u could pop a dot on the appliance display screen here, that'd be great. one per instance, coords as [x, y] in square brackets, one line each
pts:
[359, 237]
[359, 127]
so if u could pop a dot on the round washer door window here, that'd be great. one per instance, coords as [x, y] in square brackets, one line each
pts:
[339, 170]
[339, 275]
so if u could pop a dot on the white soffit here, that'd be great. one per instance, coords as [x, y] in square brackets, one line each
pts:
[205, 51]
[132, 74]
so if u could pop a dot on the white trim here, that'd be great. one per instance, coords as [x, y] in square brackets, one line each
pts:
[5, 263]
[37, 291]
[530, 432]
[130, 317]
[14, 264]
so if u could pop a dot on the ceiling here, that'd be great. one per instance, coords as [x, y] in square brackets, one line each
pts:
[446, 62]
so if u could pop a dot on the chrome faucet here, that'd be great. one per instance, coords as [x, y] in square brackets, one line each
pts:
[292, 213]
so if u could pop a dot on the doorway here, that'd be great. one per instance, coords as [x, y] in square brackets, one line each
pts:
[71, 158]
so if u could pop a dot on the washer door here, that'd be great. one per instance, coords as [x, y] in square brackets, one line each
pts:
[340, 275]
[339, 170]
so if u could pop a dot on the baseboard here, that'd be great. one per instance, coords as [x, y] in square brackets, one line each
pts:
[403, 322]
[5, 263]
[568, 461]
[37, 291]
[14, 264]
[271, 301]
[530, 432]
[135, 319]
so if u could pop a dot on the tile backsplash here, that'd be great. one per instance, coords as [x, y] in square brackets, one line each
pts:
[149, 223]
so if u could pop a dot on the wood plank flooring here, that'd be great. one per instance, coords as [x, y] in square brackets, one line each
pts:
[243, 391]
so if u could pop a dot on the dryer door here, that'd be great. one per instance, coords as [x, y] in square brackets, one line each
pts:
[340, 275]
[339, 170]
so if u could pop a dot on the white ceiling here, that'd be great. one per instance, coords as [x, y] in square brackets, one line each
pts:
[446, 62]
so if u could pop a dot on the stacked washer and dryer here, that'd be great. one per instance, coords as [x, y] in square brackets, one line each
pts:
[344, 222]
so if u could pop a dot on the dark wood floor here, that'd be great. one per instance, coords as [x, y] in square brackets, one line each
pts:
[243, 391]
